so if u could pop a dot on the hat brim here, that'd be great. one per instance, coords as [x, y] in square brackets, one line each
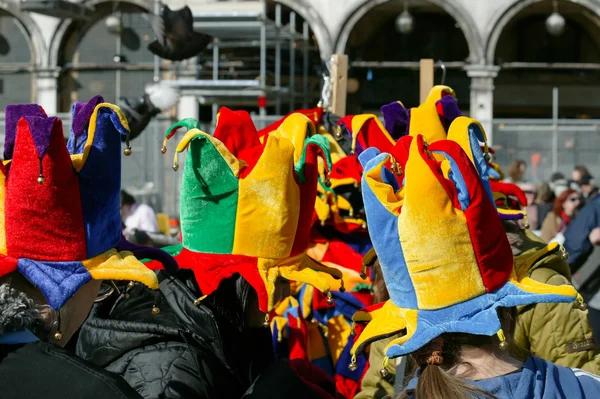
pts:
[59, 281]
[261, 273]
[384, 320]
[476, 316]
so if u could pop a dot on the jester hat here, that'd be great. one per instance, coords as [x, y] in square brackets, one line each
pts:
[442, 248]
[246, 207]
[60, 223]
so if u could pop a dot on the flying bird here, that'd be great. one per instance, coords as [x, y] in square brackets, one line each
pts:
[175, 36]
[157, 98]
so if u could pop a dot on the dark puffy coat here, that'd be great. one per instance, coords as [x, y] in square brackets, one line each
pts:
[184, 351]
[43, 371]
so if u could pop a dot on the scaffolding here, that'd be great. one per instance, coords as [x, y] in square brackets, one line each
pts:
[251, 29]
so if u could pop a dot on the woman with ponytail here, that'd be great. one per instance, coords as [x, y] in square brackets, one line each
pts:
[451, 277]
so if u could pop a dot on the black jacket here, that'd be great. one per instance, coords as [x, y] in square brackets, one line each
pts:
[41, 370]
[184, 351]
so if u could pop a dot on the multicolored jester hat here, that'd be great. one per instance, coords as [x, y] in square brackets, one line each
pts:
[246, 207]
[60, 222]
[443, 251]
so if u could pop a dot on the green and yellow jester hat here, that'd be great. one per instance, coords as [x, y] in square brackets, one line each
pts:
[246, 206]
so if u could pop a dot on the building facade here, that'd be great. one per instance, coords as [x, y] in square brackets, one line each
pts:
[500, 55]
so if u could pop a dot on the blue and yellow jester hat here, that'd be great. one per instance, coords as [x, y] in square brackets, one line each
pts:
[60, 223]
[442, 248]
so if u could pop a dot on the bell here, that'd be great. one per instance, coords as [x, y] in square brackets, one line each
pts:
[342, 289]
[503, 345]
[487, 157]
[198, 301]
[58, 335]
[583, 306]
[163, 149]
[329, 299]
[327, 183]
[266, 322]
[131, 284]
[155, 310]
[384, 372]
[352, 366]
[41, 179]
[363, 275]
[175, 167]
[352, 334]
[127, 151]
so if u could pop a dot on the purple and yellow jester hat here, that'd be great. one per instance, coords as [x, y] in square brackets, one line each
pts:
[246, 207]
[60, 222]
[442, 248]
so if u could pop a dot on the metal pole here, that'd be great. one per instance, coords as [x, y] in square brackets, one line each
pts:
[118, 71]
[305, 65]
[554, 129]
[215, 74]
[156, 77]
[292, 59]
[263, 50]
[278, 59]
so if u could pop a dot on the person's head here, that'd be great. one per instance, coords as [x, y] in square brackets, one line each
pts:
[23, 306]
[567, 202]
[556, 176]
[517, 169]
[587, 184]
[127, 201]
[448, 355]
[261, 237]
[65, 247]
[545, 194]
[235, 302]
[530, 190]
[578, 172]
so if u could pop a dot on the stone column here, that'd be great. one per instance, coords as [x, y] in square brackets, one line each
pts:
[46, 91]
[482, 95]
[188, 108]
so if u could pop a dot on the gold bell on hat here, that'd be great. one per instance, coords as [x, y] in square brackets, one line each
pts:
[329, 299]
[155, 310]
[127, 151]
[58, 335]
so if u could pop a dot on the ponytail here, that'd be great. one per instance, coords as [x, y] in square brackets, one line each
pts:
[436, 383]
[443, 354]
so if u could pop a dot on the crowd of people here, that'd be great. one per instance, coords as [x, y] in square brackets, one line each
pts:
[456, 295]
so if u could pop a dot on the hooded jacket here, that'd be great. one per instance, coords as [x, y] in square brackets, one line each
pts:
[538, 379]
[557, 332]
[184, 351]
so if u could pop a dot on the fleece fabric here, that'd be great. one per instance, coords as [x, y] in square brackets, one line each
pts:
[538, 379]
[246, 205]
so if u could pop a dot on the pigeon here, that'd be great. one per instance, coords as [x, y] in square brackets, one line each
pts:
[175, 36]
[157, 98]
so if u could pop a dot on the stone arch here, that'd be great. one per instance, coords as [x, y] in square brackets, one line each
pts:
[316, 23]
[32, 32]
[64, 28]
[454, 9]
[511, 11]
